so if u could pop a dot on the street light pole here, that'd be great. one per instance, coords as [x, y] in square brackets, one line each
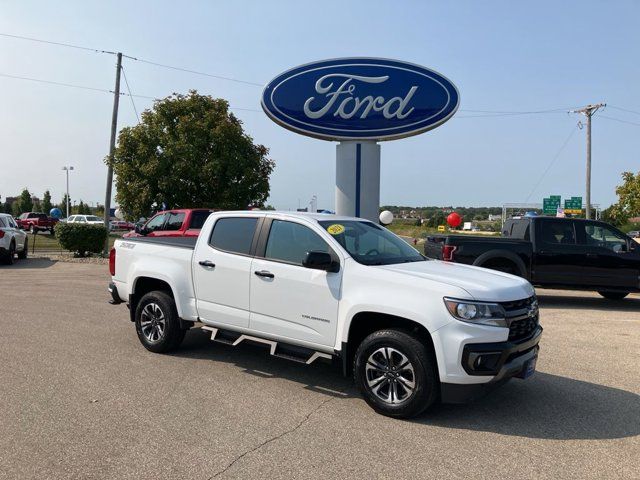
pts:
[67, 168]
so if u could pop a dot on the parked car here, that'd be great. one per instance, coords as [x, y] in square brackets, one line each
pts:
[410, 330]
[172, 223]
[566, 253]
[86, 219]
[634, 234]
[12, 240]
[121, 225]
[36, 222]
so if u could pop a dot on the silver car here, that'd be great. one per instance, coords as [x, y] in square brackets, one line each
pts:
[12, 240]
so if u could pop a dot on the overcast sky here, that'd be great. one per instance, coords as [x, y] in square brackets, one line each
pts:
[502, 55]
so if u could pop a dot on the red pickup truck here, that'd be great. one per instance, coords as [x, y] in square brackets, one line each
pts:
[185, 222]
[36, 222]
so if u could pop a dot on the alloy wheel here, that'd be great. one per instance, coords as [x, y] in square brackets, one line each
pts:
[152, 322]
[390, 375]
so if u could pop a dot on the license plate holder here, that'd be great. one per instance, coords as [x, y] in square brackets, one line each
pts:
[529, 368]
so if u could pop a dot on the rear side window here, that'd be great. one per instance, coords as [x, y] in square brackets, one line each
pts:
[198, 219]
[234, 234]
[156, 222]
[289, 242]
[558, 232]
[174, 222]
[2, 222]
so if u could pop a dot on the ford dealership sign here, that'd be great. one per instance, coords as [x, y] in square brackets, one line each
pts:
[360, 99]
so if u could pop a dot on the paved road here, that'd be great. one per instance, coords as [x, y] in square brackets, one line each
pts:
[80, 398]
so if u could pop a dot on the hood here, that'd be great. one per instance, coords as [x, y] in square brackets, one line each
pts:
[481, 283]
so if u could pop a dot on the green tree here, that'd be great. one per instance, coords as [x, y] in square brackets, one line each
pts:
[15, 208]
[63, 205]
[80, 208]
[46, 202]
[628, 204]
[189, 151]
[26, 204]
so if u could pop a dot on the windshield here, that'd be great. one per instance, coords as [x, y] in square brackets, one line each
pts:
[371, 244]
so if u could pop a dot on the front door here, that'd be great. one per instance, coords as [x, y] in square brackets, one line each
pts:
[610, 261]
[221, 272]
[288, 299]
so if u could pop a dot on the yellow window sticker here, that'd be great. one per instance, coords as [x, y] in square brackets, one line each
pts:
[335, 229]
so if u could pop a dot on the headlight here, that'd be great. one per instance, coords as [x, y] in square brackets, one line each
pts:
[477, 312]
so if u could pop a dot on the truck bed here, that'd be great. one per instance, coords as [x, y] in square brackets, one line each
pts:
[181, 242]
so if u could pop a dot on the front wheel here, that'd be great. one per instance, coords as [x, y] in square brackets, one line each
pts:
[613, 295]
[157, 323]
[396, 373]
[25, 251]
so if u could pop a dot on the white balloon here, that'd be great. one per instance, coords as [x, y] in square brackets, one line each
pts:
[119, 214]
[386, 217]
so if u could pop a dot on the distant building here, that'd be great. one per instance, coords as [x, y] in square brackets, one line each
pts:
[495, 218]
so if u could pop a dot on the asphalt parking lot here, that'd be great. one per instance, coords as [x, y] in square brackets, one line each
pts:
[81, 398]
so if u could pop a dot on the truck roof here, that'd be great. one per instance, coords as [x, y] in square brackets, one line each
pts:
[285, 213]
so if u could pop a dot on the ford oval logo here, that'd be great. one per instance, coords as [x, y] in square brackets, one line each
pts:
[360, 99]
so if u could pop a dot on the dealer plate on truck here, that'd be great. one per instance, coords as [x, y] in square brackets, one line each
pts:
[528, 368]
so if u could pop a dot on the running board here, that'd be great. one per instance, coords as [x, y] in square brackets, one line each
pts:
[277, 349]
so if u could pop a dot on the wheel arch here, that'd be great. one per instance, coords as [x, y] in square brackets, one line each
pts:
[366, 322]
[142, 286]
[502, 255]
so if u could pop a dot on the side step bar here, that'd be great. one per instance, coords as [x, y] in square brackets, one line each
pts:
[277, 349]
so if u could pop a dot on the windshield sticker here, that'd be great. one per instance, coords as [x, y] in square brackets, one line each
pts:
[335, 229]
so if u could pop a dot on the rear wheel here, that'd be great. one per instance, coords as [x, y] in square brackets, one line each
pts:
[10, 255]
[157, 322]
[613, 295]
[396, 374]
[25, 251]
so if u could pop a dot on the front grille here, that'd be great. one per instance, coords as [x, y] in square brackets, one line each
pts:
[523, 317]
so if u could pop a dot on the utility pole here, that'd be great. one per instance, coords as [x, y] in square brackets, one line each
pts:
[112, 147]
[67, 168]
[588, 112]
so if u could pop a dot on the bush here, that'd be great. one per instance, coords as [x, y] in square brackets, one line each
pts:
[81, 239]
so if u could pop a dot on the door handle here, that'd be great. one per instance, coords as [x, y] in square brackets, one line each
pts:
[207, 263]
[264, 273]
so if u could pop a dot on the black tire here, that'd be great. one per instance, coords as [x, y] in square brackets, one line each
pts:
[25, 251]
[151, 307]
[613, 295]
[408, 402]
[9, 258]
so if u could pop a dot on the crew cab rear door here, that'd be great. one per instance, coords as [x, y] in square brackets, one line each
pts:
[287, 299]
[222, 270]
[557, 258]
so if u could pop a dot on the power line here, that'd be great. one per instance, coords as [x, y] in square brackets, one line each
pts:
[60, 44]
[624, 109]
[130, 95]
[619, 120]
[553, 161]
[195, 72]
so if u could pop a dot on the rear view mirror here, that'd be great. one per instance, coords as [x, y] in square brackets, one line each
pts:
[320, 261]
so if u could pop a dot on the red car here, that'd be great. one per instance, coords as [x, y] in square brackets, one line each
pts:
[36, 222]
[122, 225]
[185, 222]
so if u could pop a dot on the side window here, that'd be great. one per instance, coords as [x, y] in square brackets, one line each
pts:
[156, 223]
[234, 234]
[198, 219]
[597, 235]
[174, 222]
[558, 232]
[11, 222]
[290, 242]
[2, 223]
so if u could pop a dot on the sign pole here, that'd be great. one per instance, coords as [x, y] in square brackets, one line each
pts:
[358, 179]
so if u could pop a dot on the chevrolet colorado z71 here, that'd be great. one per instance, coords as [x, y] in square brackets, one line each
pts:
[412, 331]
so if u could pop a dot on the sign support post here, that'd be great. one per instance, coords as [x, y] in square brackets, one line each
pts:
[358, 179]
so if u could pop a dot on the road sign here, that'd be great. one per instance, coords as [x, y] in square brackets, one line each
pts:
[551, 204]
[441, 228]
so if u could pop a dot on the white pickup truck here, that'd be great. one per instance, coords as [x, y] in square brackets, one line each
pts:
[412, 331]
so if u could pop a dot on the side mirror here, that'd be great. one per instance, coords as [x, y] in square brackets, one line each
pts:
[140, 230]
[320, 261]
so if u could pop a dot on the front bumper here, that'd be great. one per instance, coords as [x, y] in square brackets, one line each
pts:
[497, 361]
